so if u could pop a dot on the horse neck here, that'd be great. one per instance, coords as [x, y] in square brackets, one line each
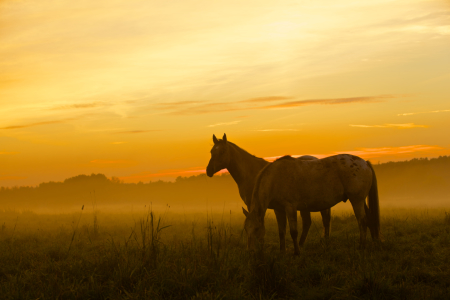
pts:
[258, 210]
[243, 166]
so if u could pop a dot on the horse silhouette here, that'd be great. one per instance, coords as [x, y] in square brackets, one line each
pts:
[244, 168]
[290, 184]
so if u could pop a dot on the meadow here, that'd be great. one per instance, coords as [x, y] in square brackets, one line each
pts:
[166, 254]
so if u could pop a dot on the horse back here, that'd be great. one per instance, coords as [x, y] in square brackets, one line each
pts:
[315, 185]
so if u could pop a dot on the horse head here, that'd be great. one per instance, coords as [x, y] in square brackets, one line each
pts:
[254, 226]
[220, 156]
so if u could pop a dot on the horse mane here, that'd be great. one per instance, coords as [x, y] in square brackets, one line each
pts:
[246, 152]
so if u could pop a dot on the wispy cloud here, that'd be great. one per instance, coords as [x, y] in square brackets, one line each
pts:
[176, 105]
[78, 106]
[424, 112]
[386, 151]
[430, 23]
[37, 124]
[222, 124]
[400, 126]
[194, 107]
[136, 131]
[334, 101]
[266, 99]
[206, 108]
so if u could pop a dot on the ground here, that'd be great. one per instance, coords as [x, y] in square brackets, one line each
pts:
[202, 255]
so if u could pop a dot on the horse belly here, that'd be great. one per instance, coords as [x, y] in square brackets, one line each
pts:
[320, 201]
[324, 191]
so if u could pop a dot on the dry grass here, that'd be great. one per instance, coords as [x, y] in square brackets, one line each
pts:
[203, 256]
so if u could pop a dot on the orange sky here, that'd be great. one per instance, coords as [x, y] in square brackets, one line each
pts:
[135, 89]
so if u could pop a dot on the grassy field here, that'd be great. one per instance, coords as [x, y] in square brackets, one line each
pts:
[95, 255]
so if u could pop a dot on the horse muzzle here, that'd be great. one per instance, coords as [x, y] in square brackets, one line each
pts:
[210, 171]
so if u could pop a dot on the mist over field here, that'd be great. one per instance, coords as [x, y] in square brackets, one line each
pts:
[408, 184]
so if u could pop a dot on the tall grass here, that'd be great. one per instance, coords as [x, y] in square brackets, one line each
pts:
[75, 230]
[205, 257]
[447, 218]
[94, 214]
[149, 239]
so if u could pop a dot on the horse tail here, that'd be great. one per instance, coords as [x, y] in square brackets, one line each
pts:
[374, 206]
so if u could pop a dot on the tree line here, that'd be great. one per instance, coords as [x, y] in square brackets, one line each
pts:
[416, 181]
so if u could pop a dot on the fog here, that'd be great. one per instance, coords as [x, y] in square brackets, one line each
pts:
[417, 183]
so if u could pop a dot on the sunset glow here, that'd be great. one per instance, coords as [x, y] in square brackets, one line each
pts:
[136, 89]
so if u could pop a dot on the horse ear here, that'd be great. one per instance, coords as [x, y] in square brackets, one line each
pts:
[224, 137]
[215, 139]
[246, 213]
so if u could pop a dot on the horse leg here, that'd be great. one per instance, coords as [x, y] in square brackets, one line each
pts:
[281, 220]
[326, 220]
[369, 221]
[292, 218]
[306, 221]
[358, 208]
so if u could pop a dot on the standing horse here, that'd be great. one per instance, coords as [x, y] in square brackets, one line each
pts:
[244, 168]
[290, 184]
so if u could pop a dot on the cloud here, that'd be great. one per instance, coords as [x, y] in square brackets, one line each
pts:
[385, 151]
[424, 112]
[221, 124]
[78, 106]
[335, 101]
[400, 126]
[208, 108]
[426, 20]
[194, 107]
[172, 105]
[266, 99]
[37, 124]
[136, 131]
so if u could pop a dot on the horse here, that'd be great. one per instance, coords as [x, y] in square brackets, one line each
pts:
[289, 184]
[244, 168]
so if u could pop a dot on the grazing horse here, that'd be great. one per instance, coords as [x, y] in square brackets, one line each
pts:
[244, 168]
[289, 184]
